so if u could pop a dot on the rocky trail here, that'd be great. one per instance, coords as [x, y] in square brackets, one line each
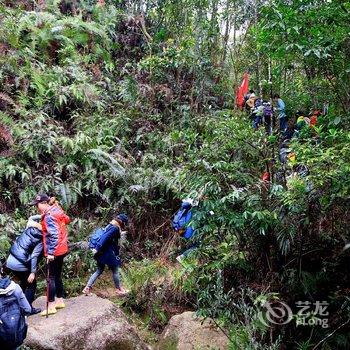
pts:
[92, 322]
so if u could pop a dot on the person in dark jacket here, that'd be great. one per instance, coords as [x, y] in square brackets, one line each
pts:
[9, 289]
[24, 256]
[109, 254]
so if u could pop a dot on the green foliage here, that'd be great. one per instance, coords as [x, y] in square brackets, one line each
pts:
[112, 110]
[152, 287]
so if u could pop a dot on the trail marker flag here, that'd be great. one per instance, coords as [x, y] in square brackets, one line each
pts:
[242, 91]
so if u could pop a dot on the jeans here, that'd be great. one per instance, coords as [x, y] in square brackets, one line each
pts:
[283, 124]
[268, 124]
[29, 289]
[55, 278]
[257, 121]
[98, 273]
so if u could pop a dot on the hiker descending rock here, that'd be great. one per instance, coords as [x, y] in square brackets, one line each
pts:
[24, 257]
[13, 308]
[55, 239]
[87, 323]
[105, 246]
[281, 112]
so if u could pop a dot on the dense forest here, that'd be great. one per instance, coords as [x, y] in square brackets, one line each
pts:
[130, 106]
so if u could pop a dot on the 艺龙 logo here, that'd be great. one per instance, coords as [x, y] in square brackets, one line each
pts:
[275, 312]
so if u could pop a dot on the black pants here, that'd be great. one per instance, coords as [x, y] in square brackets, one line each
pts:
[55, 278]
[29, 289]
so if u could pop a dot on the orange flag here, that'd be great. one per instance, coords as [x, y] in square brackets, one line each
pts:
[242, 91]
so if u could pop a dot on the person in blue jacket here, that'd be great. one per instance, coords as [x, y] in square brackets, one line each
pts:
[108, 254]
[10, 294]
[281, 112]
[24, 257]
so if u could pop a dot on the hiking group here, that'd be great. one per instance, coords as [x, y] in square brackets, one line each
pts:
[46, 235]
[271, 114]
[268, 112]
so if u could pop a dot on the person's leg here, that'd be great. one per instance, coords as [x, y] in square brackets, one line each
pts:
[115, 274]
[51, 285]
[28, 288]
[268, 126]
[58, 277]
[22, 277]
[52, 271]
[283, 123]
[116, 279]
[95, 275]
[30, 291]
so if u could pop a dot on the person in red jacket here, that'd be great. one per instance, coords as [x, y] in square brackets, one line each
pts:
[55, 239]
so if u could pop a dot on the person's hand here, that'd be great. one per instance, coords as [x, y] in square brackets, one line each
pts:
[31, 277]
[50, 258]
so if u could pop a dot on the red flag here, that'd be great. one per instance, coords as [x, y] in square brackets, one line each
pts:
[242, 91]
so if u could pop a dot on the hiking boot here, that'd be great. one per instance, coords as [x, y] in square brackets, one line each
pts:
[34, 311]
[121, 292]
[87, 290]
[50, 311]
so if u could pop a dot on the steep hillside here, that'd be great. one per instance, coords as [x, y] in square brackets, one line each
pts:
[120, 106]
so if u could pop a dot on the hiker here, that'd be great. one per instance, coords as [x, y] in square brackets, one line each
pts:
[267, 117]
[281, 112]
[55, 239]
[301, 122]
[24, 256]
[250, 102]
[313, 120]
[250, 93]
[180, 224]
[258, 113]
[284, 152]
[105, 246]
[13, 308]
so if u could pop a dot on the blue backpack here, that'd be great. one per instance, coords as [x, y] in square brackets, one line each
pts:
[181, 219]
[13, 327]
[95, 241]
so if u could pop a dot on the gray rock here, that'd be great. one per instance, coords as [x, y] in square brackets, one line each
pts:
[87, 323]
[186, 332]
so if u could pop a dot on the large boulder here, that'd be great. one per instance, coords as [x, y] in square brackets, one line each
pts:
[87, 323]
[186, 332]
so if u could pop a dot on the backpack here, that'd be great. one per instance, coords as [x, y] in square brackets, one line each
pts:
[182, 217]
[96, 238]
[268, 110]
[13, 327]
